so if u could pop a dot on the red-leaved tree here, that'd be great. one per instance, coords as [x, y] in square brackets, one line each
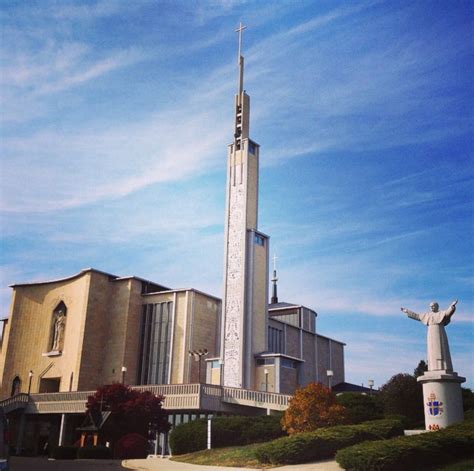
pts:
[312, 407]
[132, 411]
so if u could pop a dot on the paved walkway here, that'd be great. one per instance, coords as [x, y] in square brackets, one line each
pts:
[164, 464]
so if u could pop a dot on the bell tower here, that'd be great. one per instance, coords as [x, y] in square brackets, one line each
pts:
[244, 326]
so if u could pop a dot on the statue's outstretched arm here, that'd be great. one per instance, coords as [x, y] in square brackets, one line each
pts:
[411, 314]
[451, 308]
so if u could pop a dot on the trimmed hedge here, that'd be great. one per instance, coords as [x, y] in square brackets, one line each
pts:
[359, 407]
[94, 453]
[225, 431]
[411, 453]
[324, 442]
[63, 453]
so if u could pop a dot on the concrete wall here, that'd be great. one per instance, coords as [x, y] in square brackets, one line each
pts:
[110, 327]
[318, 352]
[337, 350]
[252, 189]
[308, 373]
[260, 380]
[260, 291]
[28, 333]
[335, 362]
[288, 380]
[205, 328]
[196, 326]
[292, 346]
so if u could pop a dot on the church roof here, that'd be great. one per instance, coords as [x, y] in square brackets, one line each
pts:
[179, 290]
[86, 270]
[283, 305]
[349, 387]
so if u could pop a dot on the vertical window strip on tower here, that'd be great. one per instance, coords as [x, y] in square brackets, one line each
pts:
[155, 340]
[275, 340]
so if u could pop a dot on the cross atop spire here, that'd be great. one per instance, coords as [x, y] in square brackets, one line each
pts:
[239, 30]
[240, 59]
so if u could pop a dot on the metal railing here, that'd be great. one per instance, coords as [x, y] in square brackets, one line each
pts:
[176, 397]
[168, 389]
[248, 397]
[19, 401]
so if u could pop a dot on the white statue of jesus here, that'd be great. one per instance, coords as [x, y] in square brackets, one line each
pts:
[439, 357]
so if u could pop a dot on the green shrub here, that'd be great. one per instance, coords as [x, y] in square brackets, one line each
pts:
[186, 438]
[226, 431]
[467, 399]
[411, 453]
[359, 407]
[402, 394]
[469, 414]
[324, 442]
[229, 431]
[64, 453]
[94, 453]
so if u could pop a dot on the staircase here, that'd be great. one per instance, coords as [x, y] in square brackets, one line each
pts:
[19, 401]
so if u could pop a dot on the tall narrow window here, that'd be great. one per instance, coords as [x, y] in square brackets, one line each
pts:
[16, 386]
[275, 340]
[155, 343]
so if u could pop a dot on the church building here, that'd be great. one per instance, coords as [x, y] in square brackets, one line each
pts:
[244, 354]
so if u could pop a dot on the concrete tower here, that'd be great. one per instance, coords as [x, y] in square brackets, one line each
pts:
[244, 326]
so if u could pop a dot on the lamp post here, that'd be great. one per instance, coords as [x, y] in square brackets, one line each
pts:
[371, 385]
[30, 377]
[124, 370]
[198, 354]
[330, 374]
[266, 379]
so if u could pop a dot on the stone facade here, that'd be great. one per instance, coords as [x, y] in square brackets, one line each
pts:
[102, 332]
[104, 317]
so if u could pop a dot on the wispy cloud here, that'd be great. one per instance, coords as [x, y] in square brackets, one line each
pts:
[397, 89]
[160, 151]
[111, 143]
[380, 355]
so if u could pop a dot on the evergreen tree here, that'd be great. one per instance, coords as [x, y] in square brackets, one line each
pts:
[420, 369]
[402, 395]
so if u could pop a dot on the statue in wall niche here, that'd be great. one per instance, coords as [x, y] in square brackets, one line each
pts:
[439, 357]
[59, 327]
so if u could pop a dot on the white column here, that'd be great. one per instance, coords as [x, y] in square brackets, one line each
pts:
[62, 430]
[209, 428]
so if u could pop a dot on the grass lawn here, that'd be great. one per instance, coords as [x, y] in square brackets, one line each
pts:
[465, 465]
[238, 456]
[243, 456]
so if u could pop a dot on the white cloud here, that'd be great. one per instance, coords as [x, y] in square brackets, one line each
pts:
[380, 355]
[159, 148]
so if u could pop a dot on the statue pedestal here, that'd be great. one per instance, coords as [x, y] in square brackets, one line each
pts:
[442, 398]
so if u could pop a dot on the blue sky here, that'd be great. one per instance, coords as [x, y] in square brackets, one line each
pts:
[115, 118]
